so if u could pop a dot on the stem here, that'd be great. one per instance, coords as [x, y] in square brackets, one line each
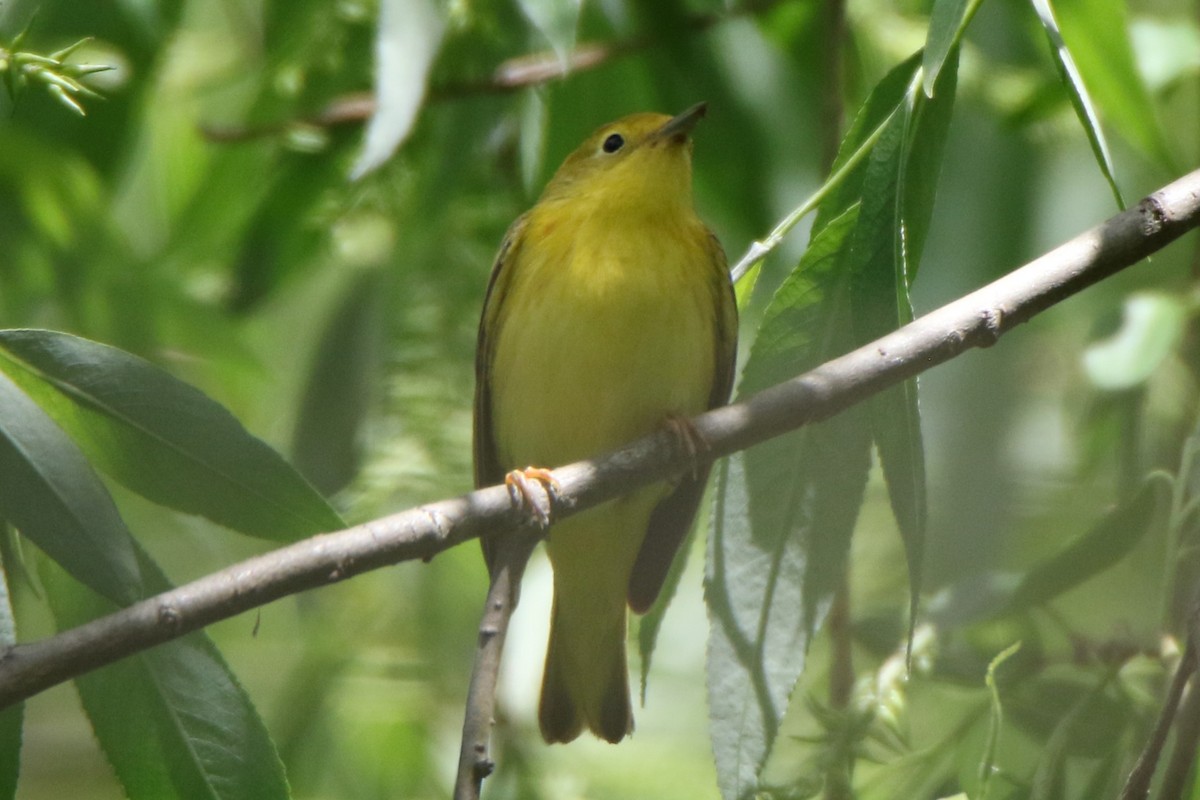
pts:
[474, 762]
[838, 777]
[1181, 508]
[1137, 786]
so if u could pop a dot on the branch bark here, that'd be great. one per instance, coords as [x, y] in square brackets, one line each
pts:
[976, 320]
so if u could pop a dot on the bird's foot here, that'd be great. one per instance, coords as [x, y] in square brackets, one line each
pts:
[538, 505]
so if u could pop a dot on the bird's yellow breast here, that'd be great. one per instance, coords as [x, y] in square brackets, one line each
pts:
[610, 328]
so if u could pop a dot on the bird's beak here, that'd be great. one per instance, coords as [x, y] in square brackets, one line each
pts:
[679, 126]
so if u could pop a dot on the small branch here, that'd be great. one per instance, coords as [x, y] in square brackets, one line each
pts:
[1137, 786]
[838, 777]
[1183, 752]
[976, 320]
[474, 763]
[841, 688]
[514, 74]
[1187, 731]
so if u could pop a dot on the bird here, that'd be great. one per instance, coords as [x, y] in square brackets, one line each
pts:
[609, 313]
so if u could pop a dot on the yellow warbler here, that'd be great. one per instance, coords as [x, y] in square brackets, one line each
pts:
[609, 311]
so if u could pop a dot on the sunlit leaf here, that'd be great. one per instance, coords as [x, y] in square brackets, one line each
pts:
[1167, 50]
[161, 437]
[1150, 330]
[406, 43]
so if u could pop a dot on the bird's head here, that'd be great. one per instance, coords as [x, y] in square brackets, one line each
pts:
[642, 160]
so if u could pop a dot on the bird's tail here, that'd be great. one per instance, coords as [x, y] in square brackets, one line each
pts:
[586, 681]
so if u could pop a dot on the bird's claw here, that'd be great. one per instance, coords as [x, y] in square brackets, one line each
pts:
[520, 484]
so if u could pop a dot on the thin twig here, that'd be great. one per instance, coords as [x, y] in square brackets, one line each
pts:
[1183, 752]
[1137, 785]
[1187, 729]
[841, 653]
[976, 320]
[474, 761]
[841, 688]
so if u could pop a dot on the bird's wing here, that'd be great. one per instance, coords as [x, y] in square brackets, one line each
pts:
[488, 469]
[672, 518]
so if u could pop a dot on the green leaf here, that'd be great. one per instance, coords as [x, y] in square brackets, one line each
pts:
[1049, 778]
[884, 101]
[11, 718]
[885, 250]
[1097, 33]
[50, 493]
[754, 655]
[1108, 541]
[927, 128]
[1152, 327]
[197, 735]
[162, 438]
[782, 521]
[1039, 708]
[1077, 91]
[947, 22]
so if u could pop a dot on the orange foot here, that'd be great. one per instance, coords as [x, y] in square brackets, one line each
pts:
[520, 483]
[690, 439]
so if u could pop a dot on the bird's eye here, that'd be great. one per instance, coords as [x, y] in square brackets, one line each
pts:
[613, 143]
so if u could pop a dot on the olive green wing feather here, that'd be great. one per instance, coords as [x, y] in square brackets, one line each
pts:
[488, 469]
[672, 518]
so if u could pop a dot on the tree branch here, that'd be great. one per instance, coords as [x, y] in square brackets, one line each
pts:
[976, 320]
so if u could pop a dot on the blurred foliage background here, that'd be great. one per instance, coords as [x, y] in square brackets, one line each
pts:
[200, 215]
